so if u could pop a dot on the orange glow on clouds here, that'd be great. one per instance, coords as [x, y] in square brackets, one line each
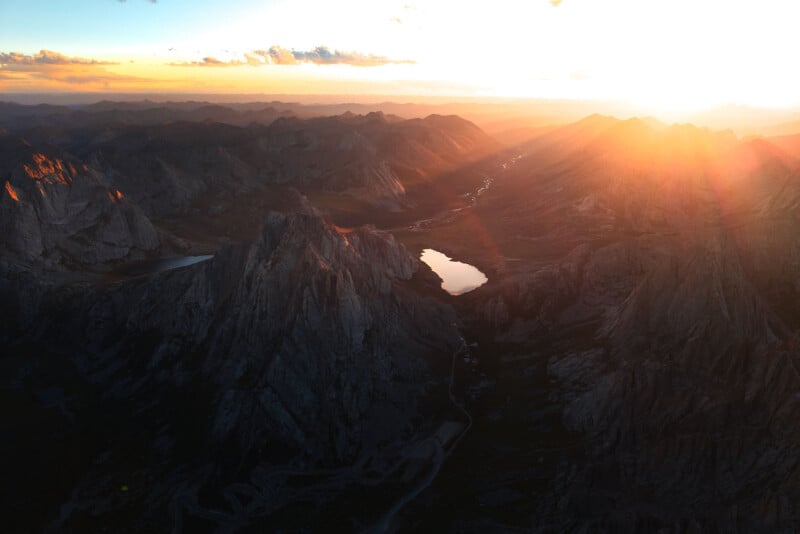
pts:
[678, 55]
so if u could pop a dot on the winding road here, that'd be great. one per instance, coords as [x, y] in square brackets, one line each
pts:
[440, 454]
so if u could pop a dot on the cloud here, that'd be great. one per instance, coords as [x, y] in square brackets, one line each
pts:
[214, 62]
[403, 18]
[210, 61]
[276, 55]
[55, 69]
[46, 57]
[84, 77]
[322, 55]
[9, 75]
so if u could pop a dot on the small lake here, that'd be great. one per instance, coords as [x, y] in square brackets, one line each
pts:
[457, 277]
[136, 268]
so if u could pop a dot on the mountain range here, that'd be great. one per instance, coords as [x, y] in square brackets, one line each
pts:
[630, 365]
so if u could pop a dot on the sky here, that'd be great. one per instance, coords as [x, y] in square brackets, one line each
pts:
[675, 54]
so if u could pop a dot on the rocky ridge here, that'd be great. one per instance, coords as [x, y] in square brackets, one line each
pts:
[661, 275]
[310, 345]
[56, 211]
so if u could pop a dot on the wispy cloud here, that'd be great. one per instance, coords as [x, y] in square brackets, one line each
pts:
[46, 57]
[8, 76]
[208, 62]
[276, 55]
[84, 77]
[49, 67]
[324, 56]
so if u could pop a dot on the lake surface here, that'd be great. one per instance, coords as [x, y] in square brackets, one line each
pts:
[457, 277]
[136, 268]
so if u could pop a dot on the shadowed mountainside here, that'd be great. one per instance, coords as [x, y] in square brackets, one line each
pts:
[89, 195]
[309, 348]
[644, 275]
[630, 365]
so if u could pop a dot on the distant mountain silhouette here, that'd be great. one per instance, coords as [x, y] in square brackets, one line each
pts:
[167, 168]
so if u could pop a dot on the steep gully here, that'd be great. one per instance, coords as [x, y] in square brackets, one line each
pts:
[442, 453]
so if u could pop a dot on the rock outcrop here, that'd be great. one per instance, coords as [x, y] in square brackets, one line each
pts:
[310, 348]
[56, 211]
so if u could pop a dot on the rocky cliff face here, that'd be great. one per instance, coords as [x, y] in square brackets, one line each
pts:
[318, 317]
[55, 211]
[310, 345]
[689, 404]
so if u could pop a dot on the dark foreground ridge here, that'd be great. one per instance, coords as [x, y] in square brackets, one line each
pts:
[305, 351]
